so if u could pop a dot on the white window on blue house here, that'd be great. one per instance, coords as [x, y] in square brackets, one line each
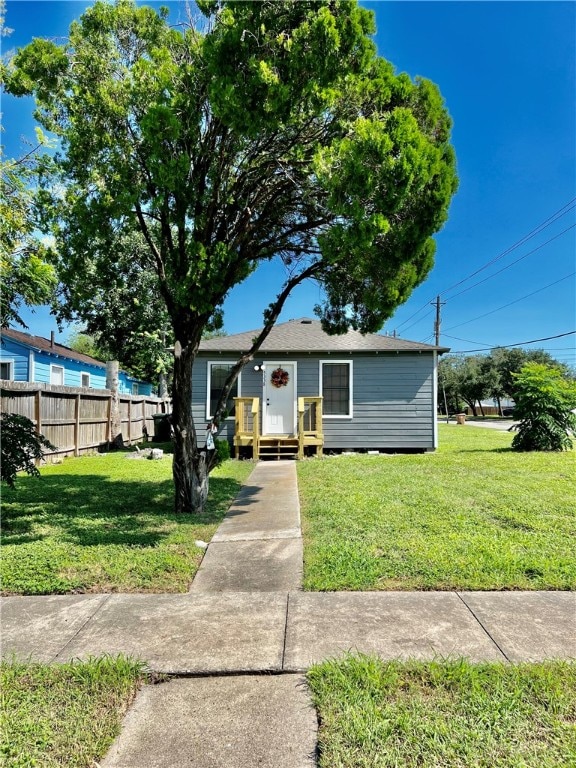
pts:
[336, 388]
[85, 380]
[7, 370]
[217, 375]
[57, 375]
[135, 388]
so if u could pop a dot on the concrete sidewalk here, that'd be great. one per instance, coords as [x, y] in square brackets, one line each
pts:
[241, 639]
[262, 632]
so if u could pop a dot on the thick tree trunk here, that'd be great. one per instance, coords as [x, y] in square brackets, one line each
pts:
[481, 408]
[189, 464]
[472, 405]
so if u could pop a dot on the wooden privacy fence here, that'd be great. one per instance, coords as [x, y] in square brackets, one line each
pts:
[79, 420]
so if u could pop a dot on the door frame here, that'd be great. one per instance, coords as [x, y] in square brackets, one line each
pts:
[271, 365]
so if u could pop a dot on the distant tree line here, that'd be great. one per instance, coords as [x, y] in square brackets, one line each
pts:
[472, 379]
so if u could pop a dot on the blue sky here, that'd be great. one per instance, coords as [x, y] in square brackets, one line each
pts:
[507, 73]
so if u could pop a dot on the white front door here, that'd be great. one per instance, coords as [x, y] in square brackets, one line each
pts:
[279, 398]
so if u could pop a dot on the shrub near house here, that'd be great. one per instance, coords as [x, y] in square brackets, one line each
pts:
[545, 403]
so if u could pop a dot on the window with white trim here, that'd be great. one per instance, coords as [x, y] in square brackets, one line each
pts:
[85, 380]
[336, 388]
[7, 370]
[135, 389]
[57, 375]
[217, 375]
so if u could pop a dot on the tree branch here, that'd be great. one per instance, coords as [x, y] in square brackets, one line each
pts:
[271, 315]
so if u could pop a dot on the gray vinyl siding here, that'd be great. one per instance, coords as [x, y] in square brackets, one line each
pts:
[393, 406]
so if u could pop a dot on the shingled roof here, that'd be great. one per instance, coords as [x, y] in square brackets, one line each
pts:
[41, 344]
[305, 335]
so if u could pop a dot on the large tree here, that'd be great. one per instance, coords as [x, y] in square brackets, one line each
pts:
[268, 130]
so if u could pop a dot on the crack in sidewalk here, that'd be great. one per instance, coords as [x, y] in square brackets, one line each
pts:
[482, 626]
[81, 628]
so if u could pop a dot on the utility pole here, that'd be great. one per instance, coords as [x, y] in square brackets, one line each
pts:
[438, 304]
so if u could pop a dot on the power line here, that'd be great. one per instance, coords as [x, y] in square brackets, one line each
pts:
[513, 262]
[468, 341]
[518, 344]
[431, 311]
[546, 223]
[413, 315]
[510, 303]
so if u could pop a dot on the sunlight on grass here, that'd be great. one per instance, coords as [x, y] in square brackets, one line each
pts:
[473, 515]
[106, 523]
[66, 714]
[376, 714]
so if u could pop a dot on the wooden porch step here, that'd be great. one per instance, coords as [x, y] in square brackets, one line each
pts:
[278, 447]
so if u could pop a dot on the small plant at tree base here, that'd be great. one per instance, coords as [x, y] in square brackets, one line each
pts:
[544, 405]
[222, 450]
[21, 446]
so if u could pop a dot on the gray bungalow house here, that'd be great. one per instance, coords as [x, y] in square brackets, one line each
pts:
[306, 390]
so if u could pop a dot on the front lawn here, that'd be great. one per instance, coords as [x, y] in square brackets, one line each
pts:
[105, 523]
[66, 714]
[473, 515]
[376, 714]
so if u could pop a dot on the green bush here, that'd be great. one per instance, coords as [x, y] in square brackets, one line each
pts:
[222, 450]
[21, 446]
[545, 400]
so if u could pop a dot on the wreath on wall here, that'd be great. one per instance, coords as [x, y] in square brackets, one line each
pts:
[279, 378]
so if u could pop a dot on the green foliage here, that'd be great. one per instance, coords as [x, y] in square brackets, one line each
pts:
[273, 131]
[64, 714]
[119, 306]
[27, 278]
[473, 515]
[478, 377]
[86, 344]
[466, 378]
[545, 401]
[105, 523]
[384, 714]
[21, 447]
[222, 450]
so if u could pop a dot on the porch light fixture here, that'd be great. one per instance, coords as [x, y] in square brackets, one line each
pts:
[259, 367]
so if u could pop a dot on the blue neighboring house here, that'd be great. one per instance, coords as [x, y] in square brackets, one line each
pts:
[24, 357]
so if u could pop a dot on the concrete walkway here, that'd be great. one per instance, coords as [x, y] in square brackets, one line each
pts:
[239, 642]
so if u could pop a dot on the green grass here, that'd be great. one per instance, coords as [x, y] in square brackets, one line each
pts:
[105, 523]
[473, 515]
[66, 714]
[376, 714]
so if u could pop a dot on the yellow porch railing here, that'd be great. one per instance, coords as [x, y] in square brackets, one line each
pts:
[247, 429]
[310, 425]
[247, 424]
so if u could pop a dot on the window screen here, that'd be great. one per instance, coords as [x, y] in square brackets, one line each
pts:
[336, 389]
[6, 371]
[218, 375]
[85, 380]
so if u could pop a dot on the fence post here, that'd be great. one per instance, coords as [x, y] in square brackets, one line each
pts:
[130, 420]
[112, 383]
[38, 411]
[77, 426]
